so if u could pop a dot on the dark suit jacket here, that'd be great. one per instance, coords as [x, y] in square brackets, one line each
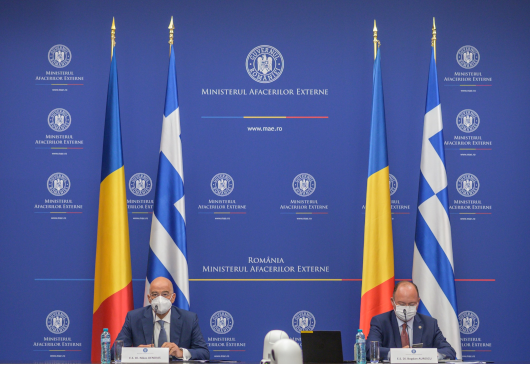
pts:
[184, 331]
[384, 328]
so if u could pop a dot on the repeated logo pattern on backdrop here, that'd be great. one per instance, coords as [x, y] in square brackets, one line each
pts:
[140, 184]
[59, 119]
[468, 57]
[58, 184]
[304, 321]
[57, 322]
[393, 184]
[467, 121]
[59, 56]
[468, 322]
[304, 184]
[467, 185]
[264, 64]
[222, 184]
[221, 322]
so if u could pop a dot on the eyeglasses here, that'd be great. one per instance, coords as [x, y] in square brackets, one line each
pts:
[165, 295]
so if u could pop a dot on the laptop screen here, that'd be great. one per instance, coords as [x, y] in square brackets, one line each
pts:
[322, 347]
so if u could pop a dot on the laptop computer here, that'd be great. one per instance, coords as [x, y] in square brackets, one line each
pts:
[322, 347]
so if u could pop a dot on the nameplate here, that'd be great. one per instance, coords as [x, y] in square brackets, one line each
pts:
[145, 355]
[414, 356]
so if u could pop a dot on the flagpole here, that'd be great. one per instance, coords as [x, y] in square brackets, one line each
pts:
[112, 38]
[167, 247]
[433, 39]
[378, 252]
[377, 44]
[113, 290]
[171, 28]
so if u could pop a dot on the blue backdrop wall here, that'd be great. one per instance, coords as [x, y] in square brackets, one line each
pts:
[47, 252]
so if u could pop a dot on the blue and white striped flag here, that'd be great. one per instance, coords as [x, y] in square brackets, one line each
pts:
[433, 268]
[167, 248]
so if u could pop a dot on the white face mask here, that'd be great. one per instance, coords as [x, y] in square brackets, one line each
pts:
[410, 310]
[161, 305]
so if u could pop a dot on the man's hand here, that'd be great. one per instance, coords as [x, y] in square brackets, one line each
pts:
[406, 347]
[151, 345]
[174, 350]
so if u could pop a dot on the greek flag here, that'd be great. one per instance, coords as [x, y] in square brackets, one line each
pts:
[167, 248]
[433, 268]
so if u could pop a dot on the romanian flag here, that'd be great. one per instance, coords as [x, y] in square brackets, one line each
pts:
[113, 296]
[378, 260]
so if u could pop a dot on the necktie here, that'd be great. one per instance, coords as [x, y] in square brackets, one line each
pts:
[162, 336]
[404, 336]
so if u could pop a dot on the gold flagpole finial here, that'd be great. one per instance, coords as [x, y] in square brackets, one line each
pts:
[112, 37]
[171, 28]
[433, 39]
[376, 41]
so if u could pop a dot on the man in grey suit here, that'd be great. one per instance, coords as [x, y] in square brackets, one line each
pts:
[163, 325]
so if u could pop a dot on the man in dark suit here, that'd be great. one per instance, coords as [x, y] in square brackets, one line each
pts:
[403, 327]
[171, 327]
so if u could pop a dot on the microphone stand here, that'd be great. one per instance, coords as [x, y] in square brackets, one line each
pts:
[154, 322]
[406, 324]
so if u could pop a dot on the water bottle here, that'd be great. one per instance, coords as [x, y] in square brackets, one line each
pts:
[360, 346]
[105, 346]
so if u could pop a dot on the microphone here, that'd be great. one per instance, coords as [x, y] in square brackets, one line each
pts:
[405, 313]
[154, 322]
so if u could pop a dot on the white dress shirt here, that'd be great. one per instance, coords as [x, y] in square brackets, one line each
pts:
[167, 327]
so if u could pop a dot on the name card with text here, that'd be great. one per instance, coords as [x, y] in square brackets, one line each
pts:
[145, 355]
[414, 356]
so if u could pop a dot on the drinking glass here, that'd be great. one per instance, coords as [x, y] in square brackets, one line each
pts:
[118, 346]
[374, 352]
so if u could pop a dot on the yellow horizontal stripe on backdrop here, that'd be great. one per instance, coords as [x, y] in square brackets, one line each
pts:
[113, 256]
[378, 260]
